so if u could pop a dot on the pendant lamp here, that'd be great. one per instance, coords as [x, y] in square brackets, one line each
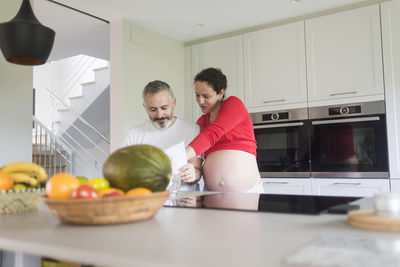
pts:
[24, 40]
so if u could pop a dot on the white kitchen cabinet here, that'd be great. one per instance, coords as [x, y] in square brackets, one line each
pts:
[391, 57]
[349, 187]
[287, 186]
[275, 68]
[395, 185]
[226, 54]
[344, 57]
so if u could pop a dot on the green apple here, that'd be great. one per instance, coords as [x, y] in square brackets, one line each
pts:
[83, 179]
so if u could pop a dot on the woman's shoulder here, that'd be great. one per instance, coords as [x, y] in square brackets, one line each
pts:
[233, 102]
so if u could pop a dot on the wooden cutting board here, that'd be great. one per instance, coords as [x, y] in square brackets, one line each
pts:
[368, 219]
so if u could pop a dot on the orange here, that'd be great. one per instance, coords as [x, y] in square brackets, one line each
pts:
[61, 185]
[138, 191]
[6, 181]
[110, 190]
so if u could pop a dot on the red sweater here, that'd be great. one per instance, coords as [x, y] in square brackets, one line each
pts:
[232, 129]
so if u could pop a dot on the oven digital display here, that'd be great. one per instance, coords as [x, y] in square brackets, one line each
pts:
[344, 110]
[275, 116]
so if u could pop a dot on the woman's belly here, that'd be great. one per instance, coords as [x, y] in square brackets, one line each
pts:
[230, 171]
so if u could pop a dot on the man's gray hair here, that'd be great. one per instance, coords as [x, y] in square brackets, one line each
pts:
[158, 86]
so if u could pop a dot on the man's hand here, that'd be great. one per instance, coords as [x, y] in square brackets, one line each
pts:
[188, 173]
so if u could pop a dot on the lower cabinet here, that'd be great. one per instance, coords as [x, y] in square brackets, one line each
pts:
[349, 187]
[328, 187]
[395, 185]
[287, 186]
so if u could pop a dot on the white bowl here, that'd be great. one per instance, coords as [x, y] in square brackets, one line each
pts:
[387, 204]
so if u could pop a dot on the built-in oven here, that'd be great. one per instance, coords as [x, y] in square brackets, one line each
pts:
[349, 141]
[282, 143]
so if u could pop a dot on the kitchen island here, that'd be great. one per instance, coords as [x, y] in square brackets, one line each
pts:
[178, 237]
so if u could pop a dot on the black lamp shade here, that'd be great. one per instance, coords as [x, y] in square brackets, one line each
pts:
[24, 40]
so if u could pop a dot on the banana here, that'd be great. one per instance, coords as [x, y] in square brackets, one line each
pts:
[22, 177]
[19, 187]
[26, 167]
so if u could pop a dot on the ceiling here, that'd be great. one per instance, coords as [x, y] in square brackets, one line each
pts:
[178, 19]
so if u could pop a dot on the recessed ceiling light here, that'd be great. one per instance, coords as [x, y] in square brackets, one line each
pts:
[200, 26]
[295, 1]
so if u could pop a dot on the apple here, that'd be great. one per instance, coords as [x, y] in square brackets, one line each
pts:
[113, 194]
[84, 191]
[83, 179]
[110, 190]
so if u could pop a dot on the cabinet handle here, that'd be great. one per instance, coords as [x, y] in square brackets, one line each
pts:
[345, 93]
[346, 184]
[276, 182]
[271, 101]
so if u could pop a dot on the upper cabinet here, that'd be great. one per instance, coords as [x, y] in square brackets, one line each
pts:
[275, 68]
[226, 54]
[344, 57]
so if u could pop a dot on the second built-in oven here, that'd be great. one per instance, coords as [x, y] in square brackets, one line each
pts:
[349, 141]
[282, 143]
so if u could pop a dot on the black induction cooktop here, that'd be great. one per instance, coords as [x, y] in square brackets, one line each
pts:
[298, 204]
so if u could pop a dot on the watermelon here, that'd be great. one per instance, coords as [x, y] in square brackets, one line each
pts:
[138, 166]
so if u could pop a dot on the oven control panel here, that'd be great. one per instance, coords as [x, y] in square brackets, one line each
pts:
[345, 110]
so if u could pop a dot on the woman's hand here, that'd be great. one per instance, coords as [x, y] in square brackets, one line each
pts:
[188, 173]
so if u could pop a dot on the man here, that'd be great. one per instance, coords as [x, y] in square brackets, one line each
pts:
[164, 130]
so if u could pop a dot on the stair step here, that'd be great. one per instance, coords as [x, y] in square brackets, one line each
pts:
[75, 97]
[100, 68]
[88, 83]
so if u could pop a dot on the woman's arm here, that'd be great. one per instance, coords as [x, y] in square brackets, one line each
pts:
[231, 113]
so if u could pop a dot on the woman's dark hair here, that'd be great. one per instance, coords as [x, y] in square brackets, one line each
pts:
[214, 77]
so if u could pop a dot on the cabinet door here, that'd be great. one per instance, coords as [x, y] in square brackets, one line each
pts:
[275, 70]
[290, 186]
[349, 187]
[226, 54]
[391, 59]
[395, 185]
[344, 57]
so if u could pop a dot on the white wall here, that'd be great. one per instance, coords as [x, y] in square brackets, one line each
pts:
[138, 56]
[15, 102]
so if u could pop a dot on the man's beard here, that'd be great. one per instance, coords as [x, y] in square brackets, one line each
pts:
[162, 125]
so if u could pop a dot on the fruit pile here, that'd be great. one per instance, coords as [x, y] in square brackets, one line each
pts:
[21, 176]
[67, 186]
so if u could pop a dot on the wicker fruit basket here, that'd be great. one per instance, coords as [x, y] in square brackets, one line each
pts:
[15, 201]
[109, 210]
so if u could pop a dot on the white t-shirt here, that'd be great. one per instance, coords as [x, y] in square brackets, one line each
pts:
[147, 133]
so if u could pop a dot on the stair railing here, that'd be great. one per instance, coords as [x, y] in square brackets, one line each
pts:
[76, 114]
[76, 76]
[50, 151]
[85, 162]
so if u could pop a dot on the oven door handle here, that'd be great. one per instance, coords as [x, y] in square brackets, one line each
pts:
[375, 118]
[277, 125]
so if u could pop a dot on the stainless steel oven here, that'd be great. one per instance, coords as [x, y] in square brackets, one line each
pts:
[282, 143]
[349, 141]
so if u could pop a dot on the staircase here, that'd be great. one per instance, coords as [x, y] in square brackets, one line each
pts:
[49, 151]
[78, 117]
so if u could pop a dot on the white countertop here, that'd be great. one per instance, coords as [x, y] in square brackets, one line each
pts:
[175, 237]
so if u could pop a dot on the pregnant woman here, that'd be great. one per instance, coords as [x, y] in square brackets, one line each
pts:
[226, 137]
